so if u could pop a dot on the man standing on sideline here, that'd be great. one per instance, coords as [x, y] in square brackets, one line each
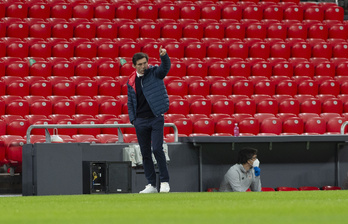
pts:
[243, 175]
[147, 102]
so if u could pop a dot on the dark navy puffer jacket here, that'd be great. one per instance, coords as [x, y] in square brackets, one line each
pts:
[153, 88]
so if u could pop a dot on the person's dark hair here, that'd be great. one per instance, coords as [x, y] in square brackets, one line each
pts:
[139, 56]
[245, 154]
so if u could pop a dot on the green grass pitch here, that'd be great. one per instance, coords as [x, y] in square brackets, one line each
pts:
[213, 208]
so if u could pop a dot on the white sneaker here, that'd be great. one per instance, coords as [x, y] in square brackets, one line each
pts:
[149, 189]
[164, 187]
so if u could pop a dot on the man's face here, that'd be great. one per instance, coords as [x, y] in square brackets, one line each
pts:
[141, 65]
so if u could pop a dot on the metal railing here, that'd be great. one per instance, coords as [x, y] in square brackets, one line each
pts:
[343, 127]
[118, 126]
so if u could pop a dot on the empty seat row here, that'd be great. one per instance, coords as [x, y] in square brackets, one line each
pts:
[169, 28]
[173, 10]
[238, 85]
[258, 103]
[59, 66]
[39, 105]
[18, 125]
[208, 67]
[213, 124]
[60, 86]
[186, 47]
[211, 67]
[259, 124]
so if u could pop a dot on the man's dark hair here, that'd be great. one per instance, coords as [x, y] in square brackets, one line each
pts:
[245, 154]
[139, 56]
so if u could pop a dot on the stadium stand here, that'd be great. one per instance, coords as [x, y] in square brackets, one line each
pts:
[227, 52]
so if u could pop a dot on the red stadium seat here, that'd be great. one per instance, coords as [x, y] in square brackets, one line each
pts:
[169, 11]
[310, 106]
[184, 125]
[179, 107]
[271, 125]
[190, 12]
[86, 49]
[338, 31]
[293, 125]
[332, 106]
[261, 69]
[195, 50]
[126, 10]
[308, 87]
[13, 149]
[232, 12]
[273, 12]
[107, 138]
[289, 106]
[41, 107]
[200, 106]
[280, 50]
[113, 131]
[106, 30]
[249, 125]
[63, 49]
[128, 30]
[286, 189]
[267, 106]
[331, 188]
[84, 10]
[89, 131]
[17, 9]
[64, 106]
[224, 106]
[147, 11]
[318, 31]
[17, 88]
[238, 49]
[225, 125]
[212, 11]
[177, 87]
[253, 12]
[104, 10]
[203, 126]
[235, 30]
[110, 106]
[86, 68]
[315, 125]
[259, 50]
[221, 87]
[17, 127]
[61, 10]
[262, 116]
[243, 87]
[334, 124]
[214, 30]
[334, 13]
[17, 49]
[287, 87]
[293, 12]
[241, 68]
[308, 188]
[85, 138]
[247, 106]
[301, 50]
[277, 30]
[313, 13]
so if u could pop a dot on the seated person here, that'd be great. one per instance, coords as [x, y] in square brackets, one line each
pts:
[243, 175]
